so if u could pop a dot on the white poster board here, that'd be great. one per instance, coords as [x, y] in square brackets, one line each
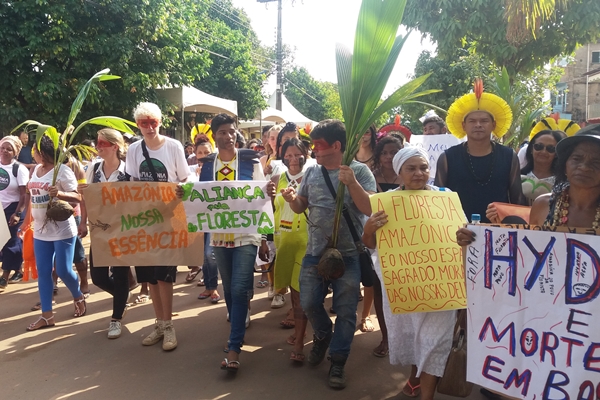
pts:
[532, 313]
[228, 207]
[434, 145]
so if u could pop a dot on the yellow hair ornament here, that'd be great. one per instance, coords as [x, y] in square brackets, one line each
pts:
[553, 123]
[479, 101]
[203, 129]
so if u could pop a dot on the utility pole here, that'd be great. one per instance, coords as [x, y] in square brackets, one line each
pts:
[279, 90]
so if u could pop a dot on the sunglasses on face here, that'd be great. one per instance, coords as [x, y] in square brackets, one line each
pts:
[147, 123]
[549, 148]
[103, 143]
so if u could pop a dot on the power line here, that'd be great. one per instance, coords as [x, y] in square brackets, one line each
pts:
[302, 90]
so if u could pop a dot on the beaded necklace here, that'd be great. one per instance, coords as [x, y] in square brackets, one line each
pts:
[480, 181]
[561, 211]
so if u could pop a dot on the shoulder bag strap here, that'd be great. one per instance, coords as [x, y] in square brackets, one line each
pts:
[149, 161]
[344, 210]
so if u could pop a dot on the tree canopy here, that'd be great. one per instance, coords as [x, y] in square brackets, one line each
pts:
[315, 99]
[482, 25]
[51, 48]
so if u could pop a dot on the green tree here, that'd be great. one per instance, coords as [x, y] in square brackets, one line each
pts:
[239, 64]
[49, 49]
[315, 99]
[454, 77]
[482, 25]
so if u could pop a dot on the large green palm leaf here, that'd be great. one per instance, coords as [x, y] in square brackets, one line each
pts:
[63, 143]
[363, 76]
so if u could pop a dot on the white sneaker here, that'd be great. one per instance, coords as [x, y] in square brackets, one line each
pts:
[278, 301]
[228, 317]
[248, 319]
[169, 339]
[271, 293]
[114, 329]
[156, 335]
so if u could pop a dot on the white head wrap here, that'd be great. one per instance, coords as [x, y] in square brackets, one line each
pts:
[408, 152]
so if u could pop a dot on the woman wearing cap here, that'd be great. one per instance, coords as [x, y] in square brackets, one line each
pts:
[14, 198]
[422, 340]
[111, 168]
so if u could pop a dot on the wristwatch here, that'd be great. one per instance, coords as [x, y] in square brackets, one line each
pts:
[18, 214]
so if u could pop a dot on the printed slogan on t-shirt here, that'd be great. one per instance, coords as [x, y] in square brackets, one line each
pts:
[141, 224]
[421, 263]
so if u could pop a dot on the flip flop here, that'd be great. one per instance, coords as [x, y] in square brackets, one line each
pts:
[229, 365]
[297, 357]
[415, 391]
[215, 299]
[203, 296]
[288, 324]
[142, 298]
[382, 352]
[191, 276]
[262, 284]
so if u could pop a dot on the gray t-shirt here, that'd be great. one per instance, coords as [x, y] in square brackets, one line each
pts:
[321, 206]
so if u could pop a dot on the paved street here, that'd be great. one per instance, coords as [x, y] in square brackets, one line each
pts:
[75, 360]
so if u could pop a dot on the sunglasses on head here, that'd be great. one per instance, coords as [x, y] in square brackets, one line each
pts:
[549, 148]
[147, 123]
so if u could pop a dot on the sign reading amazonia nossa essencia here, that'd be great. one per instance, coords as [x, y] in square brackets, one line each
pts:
[533, 307]
[434, 145]
[228, 207]
[421, 263]
[140, 223]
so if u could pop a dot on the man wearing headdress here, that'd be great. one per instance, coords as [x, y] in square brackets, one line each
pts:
[480, 170]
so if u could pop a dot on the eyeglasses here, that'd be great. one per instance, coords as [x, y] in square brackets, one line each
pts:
[147, 123]
[104, 143]
[549, 148]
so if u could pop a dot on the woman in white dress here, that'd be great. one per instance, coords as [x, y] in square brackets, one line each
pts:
[422, 340]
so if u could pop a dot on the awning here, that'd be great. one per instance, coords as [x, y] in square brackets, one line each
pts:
[191, 99]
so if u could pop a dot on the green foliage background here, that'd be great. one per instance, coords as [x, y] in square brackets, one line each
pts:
[49, 50]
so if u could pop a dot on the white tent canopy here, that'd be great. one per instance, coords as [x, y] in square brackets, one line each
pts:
[271, 114]
[288, 112]
[191, 99]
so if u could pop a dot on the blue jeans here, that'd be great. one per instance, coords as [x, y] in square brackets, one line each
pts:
[313, 289]
[236, 266]
[57, 254]
[209, 268]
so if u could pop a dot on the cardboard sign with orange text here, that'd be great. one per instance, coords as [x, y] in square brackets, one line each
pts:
[421, 264]
[141, 224]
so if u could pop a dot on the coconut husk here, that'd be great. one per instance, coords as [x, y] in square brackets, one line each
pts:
[59, 210]
[331, 265]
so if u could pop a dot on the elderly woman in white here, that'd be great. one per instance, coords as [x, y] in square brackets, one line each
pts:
[422, 340]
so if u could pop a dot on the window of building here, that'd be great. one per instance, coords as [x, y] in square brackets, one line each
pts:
[595, 57]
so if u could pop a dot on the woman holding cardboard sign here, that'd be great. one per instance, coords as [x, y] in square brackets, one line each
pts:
[422, 340]
[111, 149]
